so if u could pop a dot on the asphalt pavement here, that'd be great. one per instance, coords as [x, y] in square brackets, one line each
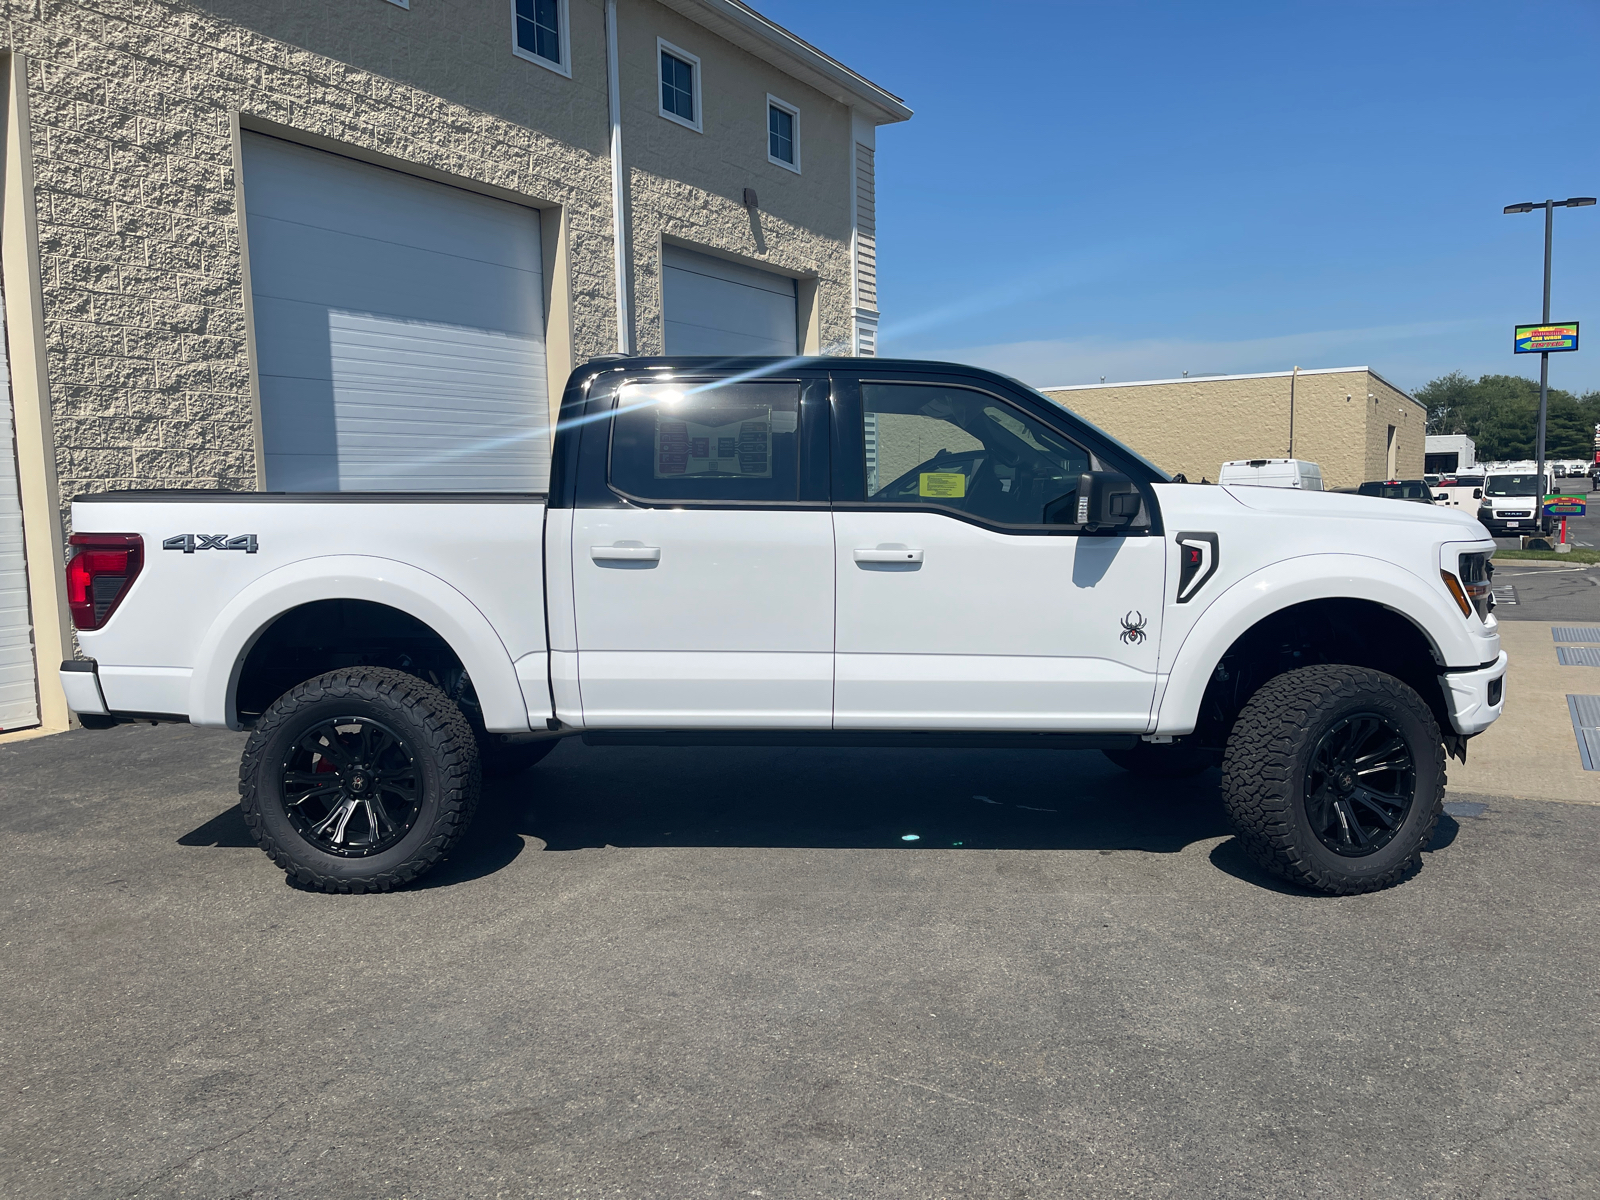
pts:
[725, 973]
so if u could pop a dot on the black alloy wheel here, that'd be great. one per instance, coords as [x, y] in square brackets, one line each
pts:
[1360, 784]
[351, 787]
[360, 780]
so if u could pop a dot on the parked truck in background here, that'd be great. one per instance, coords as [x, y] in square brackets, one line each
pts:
[800, 552]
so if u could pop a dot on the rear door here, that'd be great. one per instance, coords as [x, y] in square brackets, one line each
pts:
[702, 555]
[964, 599]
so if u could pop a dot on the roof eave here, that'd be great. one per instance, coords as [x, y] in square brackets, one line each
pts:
[771, 42]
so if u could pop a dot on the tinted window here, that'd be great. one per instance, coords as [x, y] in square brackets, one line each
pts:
[968, 451]
[707, 441]
[1407, 489]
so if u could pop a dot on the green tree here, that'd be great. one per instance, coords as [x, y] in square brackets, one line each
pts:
[1501, 415]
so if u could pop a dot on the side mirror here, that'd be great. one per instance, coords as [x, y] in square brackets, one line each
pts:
[1106, 501]
[1441, 495]
[1477, 493]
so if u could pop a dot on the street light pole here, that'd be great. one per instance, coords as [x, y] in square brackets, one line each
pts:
[1544, 358]
[1549, 207]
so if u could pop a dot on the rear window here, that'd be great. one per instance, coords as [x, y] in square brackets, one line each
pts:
[1405, 489]
[717, 440]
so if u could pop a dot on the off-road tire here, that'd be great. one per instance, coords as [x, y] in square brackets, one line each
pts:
[1265, 765]
[443, 748]
[1175, 760]
[502, 760]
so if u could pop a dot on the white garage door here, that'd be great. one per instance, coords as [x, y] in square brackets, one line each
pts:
[718, 307]
[19, 695]
[399, 328]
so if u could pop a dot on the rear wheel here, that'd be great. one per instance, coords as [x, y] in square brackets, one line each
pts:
[1334, 778]
[359, 780]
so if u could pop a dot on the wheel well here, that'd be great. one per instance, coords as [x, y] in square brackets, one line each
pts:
[1358, 633]
[327, 634]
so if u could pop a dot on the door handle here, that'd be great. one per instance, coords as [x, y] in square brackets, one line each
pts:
[881, 555]
[625, 553]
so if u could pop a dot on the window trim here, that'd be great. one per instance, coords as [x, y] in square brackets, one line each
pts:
[783, 105]
[564, 34]
[665, 47]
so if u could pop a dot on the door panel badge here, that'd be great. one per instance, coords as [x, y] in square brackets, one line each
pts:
[190, 542]
[1198, 563]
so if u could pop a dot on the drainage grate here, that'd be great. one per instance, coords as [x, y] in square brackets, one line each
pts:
[1578, 656]
[1575, 633]
[1585, 712]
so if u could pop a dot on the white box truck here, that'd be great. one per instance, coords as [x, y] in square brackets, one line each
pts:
[1272, 472]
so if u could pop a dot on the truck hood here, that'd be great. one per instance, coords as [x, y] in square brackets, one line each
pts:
[1293, 502]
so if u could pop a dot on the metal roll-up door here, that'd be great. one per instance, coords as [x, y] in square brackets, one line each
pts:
[718, 307]
[19, 686]
[399, 328]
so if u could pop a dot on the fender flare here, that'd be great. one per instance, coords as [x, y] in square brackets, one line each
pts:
[220, 657]
[1292, 581]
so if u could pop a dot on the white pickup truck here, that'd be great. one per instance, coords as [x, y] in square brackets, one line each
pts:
[814, 551]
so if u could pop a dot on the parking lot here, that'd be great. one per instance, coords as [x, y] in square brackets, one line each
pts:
[723, 972]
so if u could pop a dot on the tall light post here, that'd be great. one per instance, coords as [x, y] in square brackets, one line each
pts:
[1549, 207]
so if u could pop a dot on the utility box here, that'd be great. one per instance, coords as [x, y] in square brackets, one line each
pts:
[1273, 472]
[1448, 454]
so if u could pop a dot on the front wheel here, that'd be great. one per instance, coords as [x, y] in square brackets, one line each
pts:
[359, 780]
[1334, 778]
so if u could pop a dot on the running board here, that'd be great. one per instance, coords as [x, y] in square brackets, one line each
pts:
[849, 738]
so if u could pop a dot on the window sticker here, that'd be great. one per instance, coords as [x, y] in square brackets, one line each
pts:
[741, 449]
[942, 484]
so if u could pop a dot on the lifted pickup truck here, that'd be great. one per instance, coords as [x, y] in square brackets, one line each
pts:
[813, 551]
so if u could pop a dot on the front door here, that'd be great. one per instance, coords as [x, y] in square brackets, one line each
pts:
[703, 565]
[964, 601]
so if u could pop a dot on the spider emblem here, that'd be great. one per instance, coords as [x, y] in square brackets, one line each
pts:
[1133, 628]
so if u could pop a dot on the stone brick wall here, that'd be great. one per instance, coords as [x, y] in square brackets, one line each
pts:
[132, 108]
[1195, 425]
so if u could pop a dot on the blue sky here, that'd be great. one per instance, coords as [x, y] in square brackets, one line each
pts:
[1136, 190]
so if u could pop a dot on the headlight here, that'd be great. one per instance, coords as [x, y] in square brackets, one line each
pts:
[1471, 584]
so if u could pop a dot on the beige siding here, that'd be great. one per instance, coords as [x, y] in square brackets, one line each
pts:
[1193, 426]
[866, 227]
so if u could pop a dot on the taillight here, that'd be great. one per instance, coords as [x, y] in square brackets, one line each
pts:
[102, 568]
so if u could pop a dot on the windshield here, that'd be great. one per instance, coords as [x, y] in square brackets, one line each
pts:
[1472, 481]
[1512, 485]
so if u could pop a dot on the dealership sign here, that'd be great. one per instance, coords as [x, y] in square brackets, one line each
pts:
[1546, 339]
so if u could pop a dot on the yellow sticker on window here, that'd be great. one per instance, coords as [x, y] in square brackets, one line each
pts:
[944, 484]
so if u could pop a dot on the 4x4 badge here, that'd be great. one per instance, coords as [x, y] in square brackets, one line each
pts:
[190, 542]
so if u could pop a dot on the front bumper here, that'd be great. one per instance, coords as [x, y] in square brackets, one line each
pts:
[1476, 697]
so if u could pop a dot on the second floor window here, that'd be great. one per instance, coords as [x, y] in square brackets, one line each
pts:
[780, 134]
[538, 30]
[680, 92]
[783, 133]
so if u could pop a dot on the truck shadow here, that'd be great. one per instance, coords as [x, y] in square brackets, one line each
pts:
[585, 797]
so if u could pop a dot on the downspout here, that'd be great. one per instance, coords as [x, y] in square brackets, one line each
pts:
[619, 226]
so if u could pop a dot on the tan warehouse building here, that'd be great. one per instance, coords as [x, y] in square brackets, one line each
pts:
[302, 245]
[1351, 421]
